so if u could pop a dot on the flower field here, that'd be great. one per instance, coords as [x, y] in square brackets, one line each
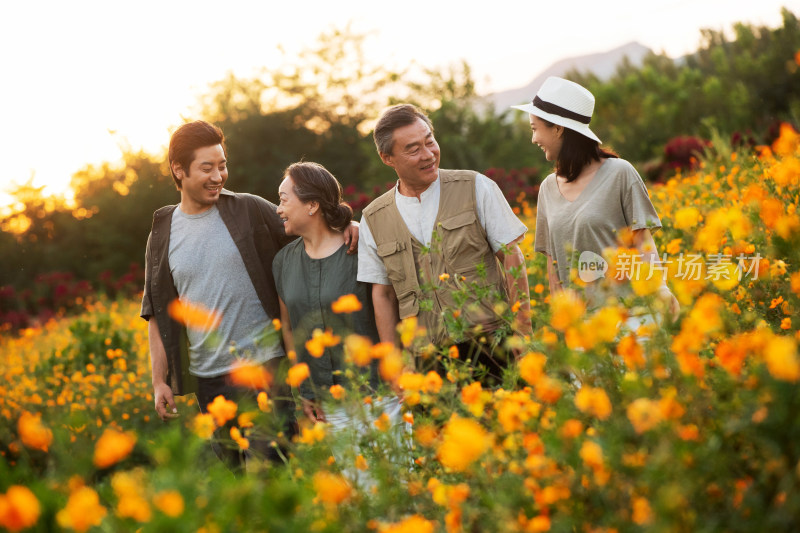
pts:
[691, 427]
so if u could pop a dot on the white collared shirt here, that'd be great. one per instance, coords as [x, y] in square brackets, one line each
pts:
[502, 225]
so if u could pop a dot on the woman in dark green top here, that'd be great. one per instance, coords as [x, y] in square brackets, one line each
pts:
[313, 272]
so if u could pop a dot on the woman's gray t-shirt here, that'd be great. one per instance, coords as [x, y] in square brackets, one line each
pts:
[614, 199]
[308, 287]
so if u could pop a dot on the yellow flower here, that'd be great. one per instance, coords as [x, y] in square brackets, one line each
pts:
[567, 309]
[222, 410]
[647, 280]
[631, 352]
[391, 365]
[411, 381]
[33, 433]
[193, 316]
[383, 422]
[112, 447]
[19, 508]
[361, 463]
[169, 502]
[644, 414]
[346, 304]
[331, 489]
[408, 330]
[464, 441]
[593, 401]
[687, 218]
[444, 277]
[252, 376]
[130, 500]
[781, 357]
[320, 340]
[298, 374]
[310, 435]
[203, 425]
[83, 510]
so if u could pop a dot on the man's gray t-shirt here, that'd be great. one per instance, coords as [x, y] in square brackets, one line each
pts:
[208, 270]
[614, 199]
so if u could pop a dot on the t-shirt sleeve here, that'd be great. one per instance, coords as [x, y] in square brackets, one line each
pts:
[147, 305]
[498, 219]
[370, 266]
[542, 237]
[638, 209]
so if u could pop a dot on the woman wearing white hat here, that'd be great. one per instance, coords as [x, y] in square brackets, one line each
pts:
[591, 196]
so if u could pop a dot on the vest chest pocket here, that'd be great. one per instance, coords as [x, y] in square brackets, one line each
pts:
[463, 243]
[392, 255]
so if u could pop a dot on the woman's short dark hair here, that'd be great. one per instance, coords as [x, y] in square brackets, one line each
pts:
[187, 139]
[576, 152]
[392, 118]
[314, 183]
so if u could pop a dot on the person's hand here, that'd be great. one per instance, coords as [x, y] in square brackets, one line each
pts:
[351, 237]
[673, 307]
[165, 402]
[313, 411]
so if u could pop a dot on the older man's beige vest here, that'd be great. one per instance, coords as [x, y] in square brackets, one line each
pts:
[459, 249]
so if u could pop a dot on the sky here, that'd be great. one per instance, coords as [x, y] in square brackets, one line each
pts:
[81, 79]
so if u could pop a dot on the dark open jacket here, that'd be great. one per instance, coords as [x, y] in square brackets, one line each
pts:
[258, 233]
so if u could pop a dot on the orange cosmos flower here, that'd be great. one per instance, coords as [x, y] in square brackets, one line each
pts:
[642, 514]
[383, 422]
[453, 352]
[236, 435]
[781, 357]
[361, 463]
[32, 432]
[222, 410]
[412, 524]
[391, 365]
[433, 382]
[263, 402]
[572, 428]
[464, 441]
[346, 304]
[251, 376]
[83, 510]
[337, 392]
[644, 414]
[19, 508]
[112, 447]
[298, 374]
[408, 330]
[331, 489]
[358, 349]
[593, 401]
[631, 352]
[411, 381]
[567, 309]
[592, 454]
[169, 502]
[203, 425]
[321, 340]
[531, 366]
[193, 316]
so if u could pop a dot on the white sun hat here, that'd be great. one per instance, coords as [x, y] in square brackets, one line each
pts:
[565, 103]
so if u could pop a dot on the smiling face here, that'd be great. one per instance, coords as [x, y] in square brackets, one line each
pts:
[548, 136]
[415, 156]
[201, 185]
[296, 215]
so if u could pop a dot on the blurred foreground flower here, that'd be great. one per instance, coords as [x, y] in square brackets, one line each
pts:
[593, 401]
[331, 489]
[347, 303]
[112, 447]
[222, 410]
[83, 510]
[169, 502]
[203, 425]
[33, 433]
[298, 374]
[463, 442]
[193, 316]
[19, 508]
[251, 376]
[412, 524]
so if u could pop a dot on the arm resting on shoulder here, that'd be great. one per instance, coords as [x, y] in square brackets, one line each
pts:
[162, 393]
[351, 237]
[518, 289]
[387, 313]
